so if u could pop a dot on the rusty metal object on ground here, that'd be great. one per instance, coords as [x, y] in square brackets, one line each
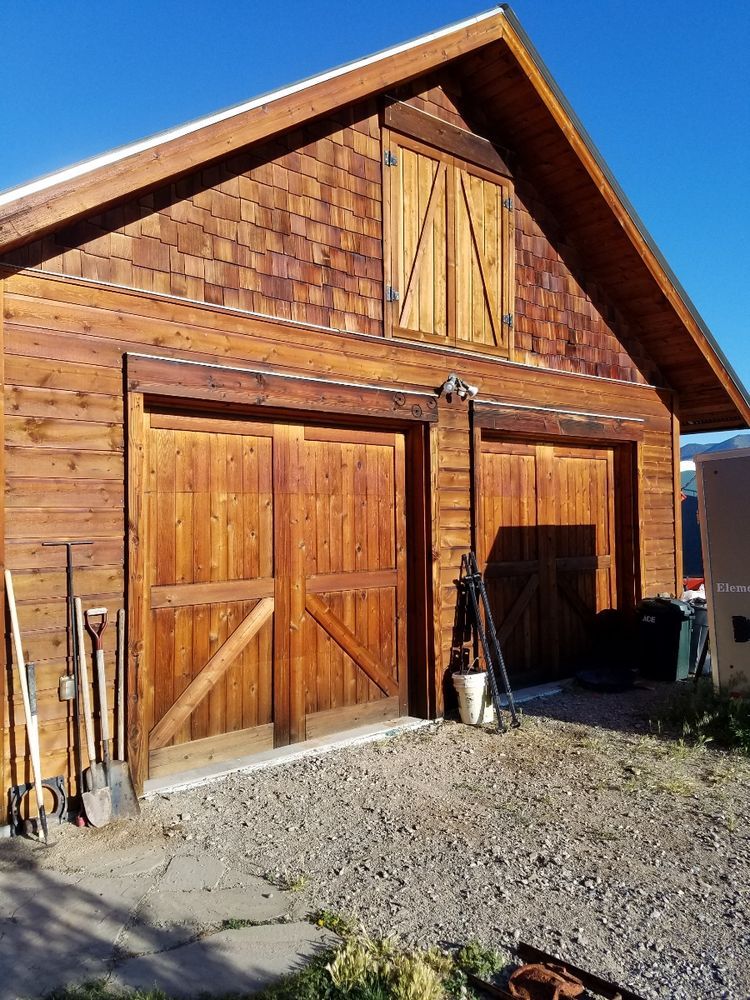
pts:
[592, 982]
[544, 982]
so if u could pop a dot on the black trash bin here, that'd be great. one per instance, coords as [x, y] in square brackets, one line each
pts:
[664, 630]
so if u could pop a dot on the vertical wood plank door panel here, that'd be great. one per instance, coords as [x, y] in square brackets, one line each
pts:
[419, 203]
[355, 579]
[546, 540]
[210, 568]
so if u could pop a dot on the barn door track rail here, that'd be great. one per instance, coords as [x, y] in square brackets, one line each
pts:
[176, 377]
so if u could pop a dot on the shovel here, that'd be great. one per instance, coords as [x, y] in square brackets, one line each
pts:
[122, 795]
[96, 799]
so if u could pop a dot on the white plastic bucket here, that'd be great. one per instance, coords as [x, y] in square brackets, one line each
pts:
[474, 701]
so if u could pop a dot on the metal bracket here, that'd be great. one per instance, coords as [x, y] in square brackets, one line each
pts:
[508, 320]
[390, 159]
[508, 203]
[391, 295]
[59, 809]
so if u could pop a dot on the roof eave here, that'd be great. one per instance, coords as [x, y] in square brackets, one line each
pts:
[666, 276]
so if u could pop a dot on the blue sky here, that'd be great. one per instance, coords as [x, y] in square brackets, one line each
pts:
[662, 87]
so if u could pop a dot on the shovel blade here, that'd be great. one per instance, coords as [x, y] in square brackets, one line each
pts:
[97, 806]
[124, 800]
[94, 777]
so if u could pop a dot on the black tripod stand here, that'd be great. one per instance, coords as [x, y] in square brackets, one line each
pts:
[472, 592]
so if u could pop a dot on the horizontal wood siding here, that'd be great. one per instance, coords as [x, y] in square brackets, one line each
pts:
[65, 477]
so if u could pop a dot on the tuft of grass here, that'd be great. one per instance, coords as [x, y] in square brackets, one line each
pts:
[288, 881]
[676, 785]
[337, 922]
[236, 924]
[701, 715]
[297, 882]
[480, 961]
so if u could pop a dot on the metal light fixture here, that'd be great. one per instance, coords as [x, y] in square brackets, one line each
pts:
[454, 384]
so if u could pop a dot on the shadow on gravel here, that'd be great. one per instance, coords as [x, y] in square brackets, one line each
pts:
[632, 712]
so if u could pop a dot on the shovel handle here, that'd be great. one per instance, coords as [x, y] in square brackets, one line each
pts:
[83, 678]
[96, 629]
[103, 714]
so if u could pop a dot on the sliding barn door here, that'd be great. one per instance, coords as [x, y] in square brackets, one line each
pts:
[209, 511]
[275, 585]
[355, 578]
[547, 540]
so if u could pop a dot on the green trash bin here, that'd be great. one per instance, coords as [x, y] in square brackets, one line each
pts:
[664, 631]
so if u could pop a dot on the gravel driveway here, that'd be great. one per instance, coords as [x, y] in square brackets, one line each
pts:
[580, 833]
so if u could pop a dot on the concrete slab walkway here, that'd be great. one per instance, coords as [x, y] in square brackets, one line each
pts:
[141, 917]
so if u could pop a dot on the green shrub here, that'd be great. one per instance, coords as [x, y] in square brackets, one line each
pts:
[702, 715]
[479, 961]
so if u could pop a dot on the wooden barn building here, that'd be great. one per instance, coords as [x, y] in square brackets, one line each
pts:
[223, 355]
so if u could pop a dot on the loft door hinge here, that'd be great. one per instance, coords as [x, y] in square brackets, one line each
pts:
[508, 320]
[508, 203]
[390, 159]
[391, 295]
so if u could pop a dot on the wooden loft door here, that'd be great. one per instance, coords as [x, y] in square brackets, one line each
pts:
[547, 540]
[449, 250]
[274, 585]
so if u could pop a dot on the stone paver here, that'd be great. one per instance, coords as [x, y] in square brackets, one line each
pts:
[239, 961]
[193, 873]
[128, 862]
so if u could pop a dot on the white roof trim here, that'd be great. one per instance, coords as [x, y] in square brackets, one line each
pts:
[121, 152]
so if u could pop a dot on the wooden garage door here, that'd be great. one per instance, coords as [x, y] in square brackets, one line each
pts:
[355, 578]
[276, 585]
[547, 541]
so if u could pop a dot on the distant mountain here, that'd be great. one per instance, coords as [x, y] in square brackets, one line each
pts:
[688, 451]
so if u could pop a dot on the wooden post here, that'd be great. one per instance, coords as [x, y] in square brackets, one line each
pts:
[282, 517]
[678, 555]
[137, 603]
[435, 686]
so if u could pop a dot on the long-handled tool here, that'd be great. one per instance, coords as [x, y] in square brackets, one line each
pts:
[73, 650]
[96, 630]
[471, 580]
[32, 731]
[121, 684]
[124, 801]
[96, 798]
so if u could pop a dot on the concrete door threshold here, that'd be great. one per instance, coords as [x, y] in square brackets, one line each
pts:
[535, 691]
[282, 755]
